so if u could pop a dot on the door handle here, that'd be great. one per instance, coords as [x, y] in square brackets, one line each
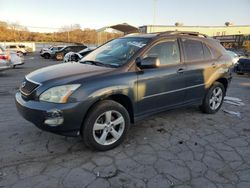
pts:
[180, 70]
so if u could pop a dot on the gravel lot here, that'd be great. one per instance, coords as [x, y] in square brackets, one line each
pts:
[179, 148]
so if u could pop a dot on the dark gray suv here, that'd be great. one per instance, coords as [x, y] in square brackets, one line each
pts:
[124, 81]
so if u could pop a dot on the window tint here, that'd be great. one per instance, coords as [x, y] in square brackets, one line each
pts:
[167, 52]
[193, 50]
[207, 52]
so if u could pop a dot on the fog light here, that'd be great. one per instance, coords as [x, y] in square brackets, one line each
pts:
[54, 118]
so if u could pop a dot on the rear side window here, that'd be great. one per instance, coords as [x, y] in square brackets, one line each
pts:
[193, 50]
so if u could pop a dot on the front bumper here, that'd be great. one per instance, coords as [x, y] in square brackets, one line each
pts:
[38, 112]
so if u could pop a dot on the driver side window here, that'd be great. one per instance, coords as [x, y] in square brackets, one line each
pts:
[167, 52]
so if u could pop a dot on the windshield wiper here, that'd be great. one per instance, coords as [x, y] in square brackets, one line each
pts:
[98, 63]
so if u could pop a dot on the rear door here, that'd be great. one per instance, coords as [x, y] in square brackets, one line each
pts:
[162, 87]
[199, 67]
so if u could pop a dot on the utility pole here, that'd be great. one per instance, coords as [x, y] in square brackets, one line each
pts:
[154, 14]
[154, 18]
[68, 35]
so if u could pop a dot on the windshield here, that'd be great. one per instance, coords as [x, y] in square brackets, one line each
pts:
[117, 52]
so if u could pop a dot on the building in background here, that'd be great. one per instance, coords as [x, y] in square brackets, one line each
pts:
[208, 30]
[118, 30]
[230, 36]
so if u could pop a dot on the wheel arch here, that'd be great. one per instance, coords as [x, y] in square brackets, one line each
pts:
[223, 81]
[122, 99]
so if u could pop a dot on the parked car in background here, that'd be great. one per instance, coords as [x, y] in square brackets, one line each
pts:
[4, 60]
[123, 81]
[59, 55]
[50, 52]
[77, 56]
[11, 57]
[235, 57]
[19, 49]
[242, 66]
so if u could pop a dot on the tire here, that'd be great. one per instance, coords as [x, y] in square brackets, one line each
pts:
[59, 56]
[46, 56]
[14, 66]
[213, 99]
[99, 124]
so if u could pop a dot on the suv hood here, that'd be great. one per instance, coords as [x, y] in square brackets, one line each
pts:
[66, 70]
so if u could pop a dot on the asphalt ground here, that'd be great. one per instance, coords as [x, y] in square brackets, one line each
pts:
[178, 148]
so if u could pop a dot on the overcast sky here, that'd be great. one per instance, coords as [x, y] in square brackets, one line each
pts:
[98, 13]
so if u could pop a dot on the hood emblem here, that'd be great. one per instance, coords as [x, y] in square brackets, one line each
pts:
[23, 84]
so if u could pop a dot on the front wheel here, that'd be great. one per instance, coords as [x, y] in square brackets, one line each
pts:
[213, 98]
[46, 56]
[106, 125]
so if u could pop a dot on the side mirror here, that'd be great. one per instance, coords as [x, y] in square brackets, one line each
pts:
[148, 62]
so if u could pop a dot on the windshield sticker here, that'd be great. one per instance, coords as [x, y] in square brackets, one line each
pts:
[137, 44]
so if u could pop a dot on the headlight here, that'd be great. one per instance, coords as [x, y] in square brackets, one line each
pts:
[58, 94]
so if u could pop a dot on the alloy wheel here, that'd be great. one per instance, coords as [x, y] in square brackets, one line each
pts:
[216, 98]
[108, 127]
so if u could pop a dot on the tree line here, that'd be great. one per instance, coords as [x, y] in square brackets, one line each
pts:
[72, 34]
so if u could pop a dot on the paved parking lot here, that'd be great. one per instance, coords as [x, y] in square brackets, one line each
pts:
[180, 148]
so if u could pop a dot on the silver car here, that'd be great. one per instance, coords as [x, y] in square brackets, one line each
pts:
[10, 58]
[4, 60]
[49, 52]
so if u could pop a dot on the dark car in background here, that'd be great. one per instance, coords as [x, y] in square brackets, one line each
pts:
[242, 66]
[59, 55]
[124, 81]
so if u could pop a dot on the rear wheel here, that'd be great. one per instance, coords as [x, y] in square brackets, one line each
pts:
[106, 125]
[213, 98]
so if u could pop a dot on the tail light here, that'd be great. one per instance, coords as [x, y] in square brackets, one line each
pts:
[4, 57]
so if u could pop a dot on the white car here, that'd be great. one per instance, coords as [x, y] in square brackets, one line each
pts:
[19, 49]
[10, 58]
[75, 57]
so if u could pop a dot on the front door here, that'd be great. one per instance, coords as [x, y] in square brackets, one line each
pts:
[162, 87]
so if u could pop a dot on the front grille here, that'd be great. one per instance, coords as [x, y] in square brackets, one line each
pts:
[27, 87]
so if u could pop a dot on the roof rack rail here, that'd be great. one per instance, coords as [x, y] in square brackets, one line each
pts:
[182, 33]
